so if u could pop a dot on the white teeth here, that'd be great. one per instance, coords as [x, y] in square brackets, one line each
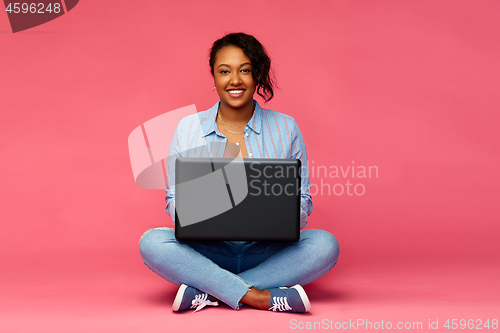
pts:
[235, 91]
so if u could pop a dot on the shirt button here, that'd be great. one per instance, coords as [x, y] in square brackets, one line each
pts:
[246, 134]
[250, 154]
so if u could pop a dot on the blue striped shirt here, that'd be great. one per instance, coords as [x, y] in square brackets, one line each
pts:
[271, 134]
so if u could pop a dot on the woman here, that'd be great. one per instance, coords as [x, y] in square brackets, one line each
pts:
[236, 273]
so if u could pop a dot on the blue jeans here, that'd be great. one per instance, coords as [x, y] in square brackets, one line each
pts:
[227, 270]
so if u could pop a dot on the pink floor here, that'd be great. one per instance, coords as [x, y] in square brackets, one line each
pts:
[115, 292]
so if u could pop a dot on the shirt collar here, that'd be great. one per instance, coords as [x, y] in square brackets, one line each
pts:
[209, 125]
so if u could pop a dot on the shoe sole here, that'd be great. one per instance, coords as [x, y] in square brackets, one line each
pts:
[178, 297]
[303, 297]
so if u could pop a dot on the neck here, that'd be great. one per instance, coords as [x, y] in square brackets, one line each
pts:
[236, 117]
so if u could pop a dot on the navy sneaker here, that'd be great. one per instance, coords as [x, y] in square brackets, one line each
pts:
[189, 298]
[293, 299]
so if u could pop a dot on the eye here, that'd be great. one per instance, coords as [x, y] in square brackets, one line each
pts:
[224, 72]
[246, 70]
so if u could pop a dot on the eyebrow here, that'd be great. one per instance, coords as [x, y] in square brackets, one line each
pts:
[246, 63]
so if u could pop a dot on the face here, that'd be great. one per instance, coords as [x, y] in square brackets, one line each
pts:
[233, 77]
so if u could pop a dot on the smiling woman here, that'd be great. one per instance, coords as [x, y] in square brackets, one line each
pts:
[264, 275]
[239, 66]
[254, 53]
[233, 80]
[236, 86]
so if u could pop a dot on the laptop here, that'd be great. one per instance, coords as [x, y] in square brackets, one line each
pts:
[243, 199]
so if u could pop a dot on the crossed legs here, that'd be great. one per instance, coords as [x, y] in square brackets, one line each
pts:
[227, 270]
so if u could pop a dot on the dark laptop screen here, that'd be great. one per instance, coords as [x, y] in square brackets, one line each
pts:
[237, 199]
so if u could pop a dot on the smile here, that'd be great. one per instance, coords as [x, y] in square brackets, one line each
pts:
[236, 92]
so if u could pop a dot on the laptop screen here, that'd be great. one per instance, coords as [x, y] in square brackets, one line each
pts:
[246, 199]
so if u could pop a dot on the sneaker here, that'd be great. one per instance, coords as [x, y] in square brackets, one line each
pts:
[189, 298]
[292, 299]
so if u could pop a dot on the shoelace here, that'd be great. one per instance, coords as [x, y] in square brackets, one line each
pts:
[200, 301]
[280, 304]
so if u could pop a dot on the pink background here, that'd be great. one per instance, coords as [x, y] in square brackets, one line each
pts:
[408, 86]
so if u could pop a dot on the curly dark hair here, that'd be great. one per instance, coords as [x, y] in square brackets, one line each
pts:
[253, 49]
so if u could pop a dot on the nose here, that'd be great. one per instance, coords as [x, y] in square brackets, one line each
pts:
[235, 78]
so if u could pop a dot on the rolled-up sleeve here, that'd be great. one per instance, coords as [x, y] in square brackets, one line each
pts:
[299, 151]
[173, 153]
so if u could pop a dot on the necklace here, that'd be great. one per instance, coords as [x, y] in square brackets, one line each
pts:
[227, 129]
[237, 141]
[218, 113]
[224, 124]
[228, 124]
[229, 132]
